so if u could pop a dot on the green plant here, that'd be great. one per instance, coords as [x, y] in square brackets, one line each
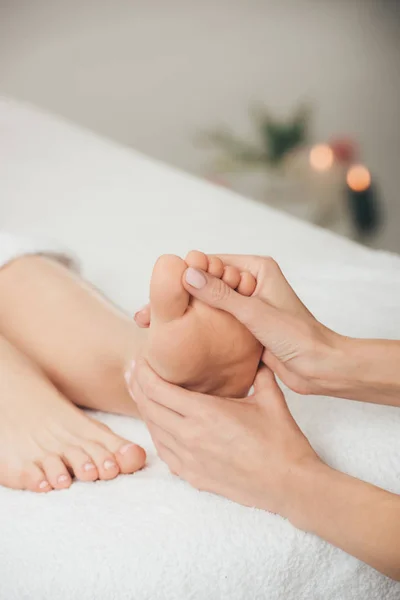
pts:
[277, 138]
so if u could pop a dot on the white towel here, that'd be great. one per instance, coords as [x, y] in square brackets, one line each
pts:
[151, 536]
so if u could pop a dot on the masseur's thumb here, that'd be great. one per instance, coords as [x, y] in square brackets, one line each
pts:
[251, 311]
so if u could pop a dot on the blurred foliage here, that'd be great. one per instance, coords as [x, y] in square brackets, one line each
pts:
[277, 139]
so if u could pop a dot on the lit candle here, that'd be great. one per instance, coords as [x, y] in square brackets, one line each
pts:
[362, 200]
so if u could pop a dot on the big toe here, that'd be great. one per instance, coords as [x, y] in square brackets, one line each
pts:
[129, 456]
[168, 298]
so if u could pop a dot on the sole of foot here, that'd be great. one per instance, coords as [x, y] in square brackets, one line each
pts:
[192, 344]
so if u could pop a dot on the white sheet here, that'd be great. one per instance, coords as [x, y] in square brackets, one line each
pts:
[150, 536]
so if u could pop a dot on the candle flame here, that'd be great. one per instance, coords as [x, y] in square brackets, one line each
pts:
[358, 178]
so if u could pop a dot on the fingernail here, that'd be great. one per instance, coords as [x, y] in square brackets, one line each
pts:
[43, 484]
[88, 466]
[62, 478]
[126, 448]
[109, 464]
[195, 278]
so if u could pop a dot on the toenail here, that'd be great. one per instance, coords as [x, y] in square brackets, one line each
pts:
[109, 464]
[126, 448]
[62, 478]
[88, 466]
[195, 278]
[43, 484]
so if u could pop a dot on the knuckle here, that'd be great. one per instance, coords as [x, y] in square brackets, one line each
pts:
[270, 265]
[220, 292]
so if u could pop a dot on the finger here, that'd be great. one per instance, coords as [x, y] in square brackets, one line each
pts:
[267, 392]
[173, 397]
[265, 379]
[251, 311]
[163, 417]
[272, 285]
[161, 436]
[171, 460]
[143, 316]
[150, 411]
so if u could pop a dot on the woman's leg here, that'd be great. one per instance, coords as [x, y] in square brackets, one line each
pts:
[80, 341]
[84, 344]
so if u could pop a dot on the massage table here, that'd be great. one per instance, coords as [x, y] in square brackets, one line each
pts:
[151, 536]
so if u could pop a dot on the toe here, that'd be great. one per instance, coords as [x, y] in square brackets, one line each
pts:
[197, 260]
[231, 276]
[168, 298]
[104, 460]
[215, 266]
[81, 464]
[56, 472]
[247, 284]
[35, 480]
[142, 317]
[129, 456]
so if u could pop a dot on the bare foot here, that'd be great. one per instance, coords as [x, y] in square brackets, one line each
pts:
[45, 440]
[192, 344]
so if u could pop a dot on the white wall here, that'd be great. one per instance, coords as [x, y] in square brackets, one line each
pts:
[152, 73]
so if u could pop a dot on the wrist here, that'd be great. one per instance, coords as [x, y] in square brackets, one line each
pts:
[303, 488]
[326, 361]
[362, 369]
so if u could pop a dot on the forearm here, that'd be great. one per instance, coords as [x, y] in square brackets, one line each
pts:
[361, 369]
[360, 518]
[79, 339]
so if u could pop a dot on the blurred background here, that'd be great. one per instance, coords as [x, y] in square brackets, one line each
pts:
[294, 103]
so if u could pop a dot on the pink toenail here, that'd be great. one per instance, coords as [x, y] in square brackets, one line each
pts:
[195, 278]
[126, 448]
[88, 466]
[109, 464]
[63, 478]
[43, 484]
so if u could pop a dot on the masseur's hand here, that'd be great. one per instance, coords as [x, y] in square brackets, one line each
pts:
[250, 450]
[299, 349]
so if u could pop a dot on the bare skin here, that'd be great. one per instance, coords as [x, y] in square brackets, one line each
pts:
[67, 346]
[45, 439]
[188, 342]
[251, 450]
